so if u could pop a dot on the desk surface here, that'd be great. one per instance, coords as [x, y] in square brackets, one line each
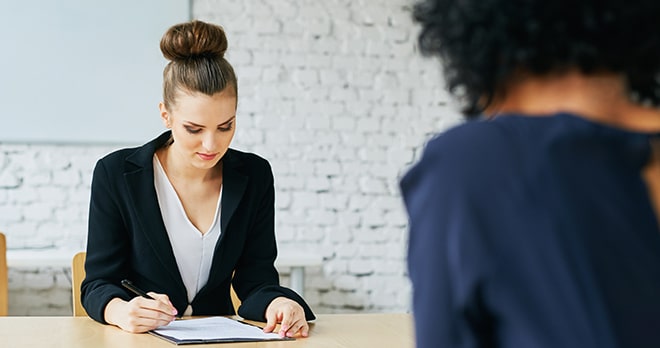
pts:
[329, 330]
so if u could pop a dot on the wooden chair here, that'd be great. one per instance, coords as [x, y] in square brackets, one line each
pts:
[234, 298]
[4, 280]
[77, 276]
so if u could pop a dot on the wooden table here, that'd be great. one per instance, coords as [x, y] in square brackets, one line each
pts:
[329, 330]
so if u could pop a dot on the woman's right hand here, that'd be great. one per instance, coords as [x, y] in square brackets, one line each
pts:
[140, 314]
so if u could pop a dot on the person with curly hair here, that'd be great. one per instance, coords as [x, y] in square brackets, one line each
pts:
[536, 222]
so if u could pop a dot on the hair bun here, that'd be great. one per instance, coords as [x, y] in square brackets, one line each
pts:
[194, 39]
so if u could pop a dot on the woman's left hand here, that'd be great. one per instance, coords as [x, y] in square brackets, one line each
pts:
[289, 314]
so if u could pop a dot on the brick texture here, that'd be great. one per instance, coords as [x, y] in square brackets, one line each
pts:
[333, 93]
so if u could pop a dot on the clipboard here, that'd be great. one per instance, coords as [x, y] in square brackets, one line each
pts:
[213, 330]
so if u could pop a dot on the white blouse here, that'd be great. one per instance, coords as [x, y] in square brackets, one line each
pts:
[193, 249]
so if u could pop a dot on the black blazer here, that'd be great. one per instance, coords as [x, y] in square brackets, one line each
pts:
[127, 237]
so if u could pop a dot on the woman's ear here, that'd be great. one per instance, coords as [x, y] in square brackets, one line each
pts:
[164, 115]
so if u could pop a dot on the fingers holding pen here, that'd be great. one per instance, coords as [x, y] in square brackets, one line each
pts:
[137, 315]
[163, 304]
[144, 312]
[151, 313]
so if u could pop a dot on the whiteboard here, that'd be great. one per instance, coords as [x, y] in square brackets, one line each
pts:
[83, 71]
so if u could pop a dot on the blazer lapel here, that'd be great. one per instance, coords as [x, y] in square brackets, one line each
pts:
[139, 178]
[233, 187]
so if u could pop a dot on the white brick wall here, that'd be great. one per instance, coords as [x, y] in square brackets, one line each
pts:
[333, 93]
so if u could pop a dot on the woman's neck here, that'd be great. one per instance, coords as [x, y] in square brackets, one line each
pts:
[599, 97]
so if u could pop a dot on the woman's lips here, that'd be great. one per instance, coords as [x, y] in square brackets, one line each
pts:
[206, 157]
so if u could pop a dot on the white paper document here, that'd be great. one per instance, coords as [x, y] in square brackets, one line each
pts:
[212, 329]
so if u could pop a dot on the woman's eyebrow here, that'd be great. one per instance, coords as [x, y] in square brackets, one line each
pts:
[229, 120]
[202, 126]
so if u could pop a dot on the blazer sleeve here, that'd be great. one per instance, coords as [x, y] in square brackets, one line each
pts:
[256, 280]
[107, 241]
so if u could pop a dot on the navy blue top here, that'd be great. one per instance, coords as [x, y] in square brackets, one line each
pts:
[534, 232]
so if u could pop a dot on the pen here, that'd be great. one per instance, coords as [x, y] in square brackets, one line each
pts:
[129, 285]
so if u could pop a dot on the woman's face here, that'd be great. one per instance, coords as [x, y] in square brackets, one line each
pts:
[202, 127]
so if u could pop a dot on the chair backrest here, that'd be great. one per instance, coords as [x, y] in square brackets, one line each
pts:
[4, 280]
[77, 276]
[234, 298]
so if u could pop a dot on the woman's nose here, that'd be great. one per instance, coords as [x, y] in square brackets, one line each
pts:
[209, 143]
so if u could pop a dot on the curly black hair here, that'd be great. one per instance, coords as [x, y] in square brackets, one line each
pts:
[482, 43]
